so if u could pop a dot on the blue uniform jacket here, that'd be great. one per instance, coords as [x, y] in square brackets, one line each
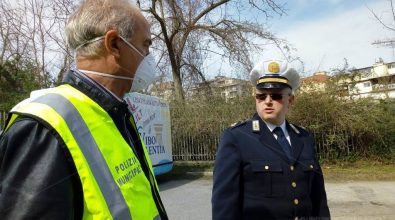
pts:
[254, 179]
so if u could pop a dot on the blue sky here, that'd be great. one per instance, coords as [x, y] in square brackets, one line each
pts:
[324, 32]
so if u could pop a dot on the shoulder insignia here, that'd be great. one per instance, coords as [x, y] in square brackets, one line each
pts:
[295, 129]
[236, 124]
[255, 126]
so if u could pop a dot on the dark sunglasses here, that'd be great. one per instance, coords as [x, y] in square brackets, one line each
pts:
[274, 96]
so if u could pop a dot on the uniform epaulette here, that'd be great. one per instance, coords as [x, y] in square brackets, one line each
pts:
[294, 128]
[297, 129]
[236, 124]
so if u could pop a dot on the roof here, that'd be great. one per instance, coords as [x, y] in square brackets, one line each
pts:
[319, 77]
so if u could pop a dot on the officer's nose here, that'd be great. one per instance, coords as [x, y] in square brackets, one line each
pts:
[268, 99]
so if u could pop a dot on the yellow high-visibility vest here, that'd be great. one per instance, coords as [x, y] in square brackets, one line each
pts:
[114, 184]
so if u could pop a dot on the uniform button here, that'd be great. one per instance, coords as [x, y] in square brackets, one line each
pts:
[293, 184]
[292, 168]
[266, 167]
[296, 201]
[311, 166]
[296, 218]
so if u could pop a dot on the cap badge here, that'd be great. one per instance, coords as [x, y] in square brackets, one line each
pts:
[274, 67]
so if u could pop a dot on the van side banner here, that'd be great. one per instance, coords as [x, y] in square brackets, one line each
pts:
[152, 117]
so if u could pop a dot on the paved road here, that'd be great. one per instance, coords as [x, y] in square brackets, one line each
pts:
[189, 199]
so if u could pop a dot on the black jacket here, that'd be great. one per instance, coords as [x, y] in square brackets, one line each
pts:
[254, 179]
[38, 178]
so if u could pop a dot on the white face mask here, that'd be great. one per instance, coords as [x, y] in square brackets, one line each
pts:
[146, 71]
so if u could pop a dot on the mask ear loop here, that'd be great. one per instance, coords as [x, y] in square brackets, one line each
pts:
[86, 43]
[89, 42]
[105, 74]
[131, 46]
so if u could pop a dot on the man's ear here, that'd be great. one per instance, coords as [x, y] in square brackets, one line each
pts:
[291, 99]
[112, 44]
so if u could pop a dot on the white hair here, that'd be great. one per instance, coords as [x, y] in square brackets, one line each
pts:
[93, 18]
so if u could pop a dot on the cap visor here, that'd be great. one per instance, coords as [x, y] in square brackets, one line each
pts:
[272, 86]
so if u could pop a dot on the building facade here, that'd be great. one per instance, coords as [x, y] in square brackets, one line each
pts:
[226, 87]
[317, 82]
[163, 90]
[377, 82]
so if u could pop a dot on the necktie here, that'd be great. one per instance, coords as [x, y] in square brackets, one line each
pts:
[283, 141]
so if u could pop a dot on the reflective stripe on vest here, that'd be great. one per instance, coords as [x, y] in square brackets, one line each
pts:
[113, 182]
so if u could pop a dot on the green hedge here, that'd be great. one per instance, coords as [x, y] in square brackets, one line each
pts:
[344, 129]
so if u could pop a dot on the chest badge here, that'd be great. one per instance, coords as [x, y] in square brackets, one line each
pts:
[255, 126]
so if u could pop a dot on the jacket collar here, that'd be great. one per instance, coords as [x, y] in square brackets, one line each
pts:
[296, 141]
[267, 139]
[107, 100]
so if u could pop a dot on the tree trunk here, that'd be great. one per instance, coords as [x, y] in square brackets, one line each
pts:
[178, 84]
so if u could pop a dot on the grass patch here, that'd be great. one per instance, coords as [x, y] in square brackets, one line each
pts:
[358, 171]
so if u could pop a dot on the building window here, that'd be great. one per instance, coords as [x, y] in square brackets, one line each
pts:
[366, 84]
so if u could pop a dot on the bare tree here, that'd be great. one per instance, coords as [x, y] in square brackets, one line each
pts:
[33, 30]
[13, 41]
[61, 9]
[389, 25]
[189, 31]
[379, 17]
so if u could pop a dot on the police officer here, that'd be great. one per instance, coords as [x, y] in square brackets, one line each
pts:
[266, 167]
[73, 151]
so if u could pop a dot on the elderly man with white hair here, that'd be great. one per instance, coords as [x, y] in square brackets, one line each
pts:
[266, 167]
[73, 151]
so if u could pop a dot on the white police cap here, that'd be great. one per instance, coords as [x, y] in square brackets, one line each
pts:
[273, 74]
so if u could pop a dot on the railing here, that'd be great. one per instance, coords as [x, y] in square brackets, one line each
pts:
[196, 146]
[203, 147]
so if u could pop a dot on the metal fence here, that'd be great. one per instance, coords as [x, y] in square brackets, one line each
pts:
[189, 146]
[196, 146]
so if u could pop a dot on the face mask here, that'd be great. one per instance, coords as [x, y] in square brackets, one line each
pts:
[146, 71]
